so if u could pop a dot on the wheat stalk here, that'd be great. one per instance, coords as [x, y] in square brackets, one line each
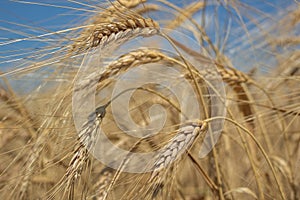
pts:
[183, 140]
[86, 141]
[104, 33]
[169, 155]
[144, 56]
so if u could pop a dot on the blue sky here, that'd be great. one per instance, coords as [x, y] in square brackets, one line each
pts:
[46, 16]
[19, 20]
[34, 14]
[53, 18]
[36, 20]
[39, 19]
